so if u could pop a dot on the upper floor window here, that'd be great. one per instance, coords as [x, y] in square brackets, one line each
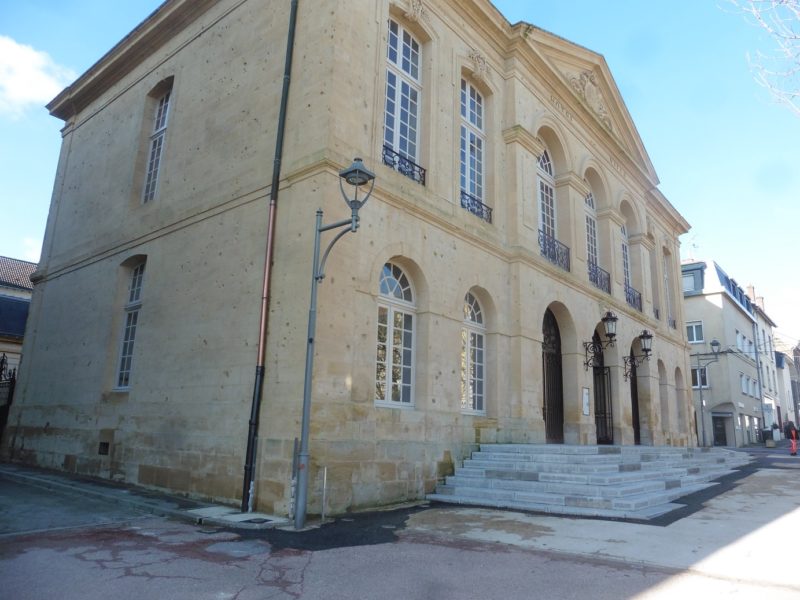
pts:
[471, 155]
[626, 261]
[547, 197]
[394, 371]
[699, 378]
[473, 350]
[591, 230]
[156, 150]
[694, 331]
[402, 107]
[132, 308]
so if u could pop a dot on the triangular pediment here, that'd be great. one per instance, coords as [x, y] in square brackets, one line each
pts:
[588, 80]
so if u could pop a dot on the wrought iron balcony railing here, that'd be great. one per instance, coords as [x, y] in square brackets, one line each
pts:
[553, 250]
[403, 165]
[600, 278]
[633, 297]
[476, 207]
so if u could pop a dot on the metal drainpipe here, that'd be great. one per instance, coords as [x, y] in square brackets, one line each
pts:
[248, 485]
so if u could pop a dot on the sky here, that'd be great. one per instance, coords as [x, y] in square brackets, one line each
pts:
[725, 152]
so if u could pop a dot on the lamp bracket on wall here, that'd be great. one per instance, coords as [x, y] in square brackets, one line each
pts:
[593, 350]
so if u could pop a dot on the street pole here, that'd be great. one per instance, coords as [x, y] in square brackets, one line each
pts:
[356, 175]
[702, 402]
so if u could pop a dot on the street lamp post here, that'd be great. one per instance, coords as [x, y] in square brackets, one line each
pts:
[356, 175]
[701, 364]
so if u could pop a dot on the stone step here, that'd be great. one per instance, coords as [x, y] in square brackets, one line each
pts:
[629, 482]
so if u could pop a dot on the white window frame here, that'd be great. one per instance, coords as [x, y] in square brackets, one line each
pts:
[473, 358]
[694, 326]
[546, 196]
[688, 277]
[743, 383]
[396, 300]
[472, 149]
[403, 97]
[700, 376]
[132, 309]
[156, 146]
[592, 245]
[626, 261]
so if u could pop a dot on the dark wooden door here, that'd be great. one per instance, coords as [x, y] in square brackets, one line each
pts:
[637, 433]
[553, 405]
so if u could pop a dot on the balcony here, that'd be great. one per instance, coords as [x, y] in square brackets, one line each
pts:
[403, 165]
[553, 250]
[476, 207]
[600, 278]
[633, 297]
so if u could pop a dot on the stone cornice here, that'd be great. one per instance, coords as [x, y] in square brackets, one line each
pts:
[150, 35]
[574, 181]
[518, 134]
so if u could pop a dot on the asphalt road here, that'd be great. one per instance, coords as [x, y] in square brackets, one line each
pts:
[68, 546]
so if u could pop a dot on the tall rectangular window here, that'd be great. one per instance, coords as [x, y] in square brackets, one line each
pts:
[156, 147]
[547, 200]
[472, 141]
[133, 306]
[403, 89]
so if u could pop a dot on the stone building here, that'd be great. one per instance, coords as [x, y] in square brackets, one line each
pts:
[738, 392]
[514, 206]
[15, 299]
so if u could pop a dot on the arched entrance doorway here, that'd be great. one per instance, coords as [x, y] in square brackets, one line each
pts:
[603, 413]
[553, 402]
[637, 428]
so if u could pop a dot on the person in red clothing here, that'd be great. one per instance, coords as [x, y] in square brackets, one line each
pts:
[790, 431]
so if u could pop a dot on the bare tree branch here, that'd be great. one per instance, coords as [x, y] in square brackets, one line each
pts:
[779, 70]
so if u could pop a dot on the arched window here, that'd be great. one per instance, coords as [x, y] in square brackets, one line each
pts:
[160, 117]
[401, 118]
[132, 308]
[394, 370]
[547, 202]
[473, 359]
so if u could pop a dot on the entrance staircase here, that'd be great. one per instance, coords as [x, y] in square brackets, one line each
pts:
[629, 482]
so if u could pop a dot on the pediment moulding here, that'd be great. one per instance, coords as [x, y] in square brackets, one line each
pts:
[523, 137]
[585, 85]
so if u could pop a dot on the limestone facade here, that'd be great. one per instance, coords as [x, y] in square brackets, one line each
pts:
[407, 379]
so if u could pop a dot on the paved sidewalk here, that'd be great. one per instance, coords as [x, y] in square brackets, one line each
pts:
[140, 500]
[736, 539]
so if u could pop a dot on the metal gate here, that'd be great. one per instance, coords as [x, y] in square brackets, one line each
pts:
[637, 433]
[602, 405]
[553, 404]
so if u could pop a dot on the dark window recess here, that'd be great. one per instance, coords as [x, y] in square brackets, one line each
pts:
[102, 449]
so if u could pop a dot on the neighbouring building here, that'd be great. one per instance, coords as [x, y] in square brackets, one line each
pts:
[729, 393]
[514, 206]
[788, 379]
[15, 300]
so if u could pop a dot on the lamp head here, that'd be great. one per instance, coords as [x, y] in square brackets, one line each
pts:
[357, 174]
[609, 321]
[715, 348]
[646, 340]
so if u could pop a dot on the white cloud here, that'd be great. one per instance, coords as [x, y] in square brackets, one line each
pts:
[28, 77]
